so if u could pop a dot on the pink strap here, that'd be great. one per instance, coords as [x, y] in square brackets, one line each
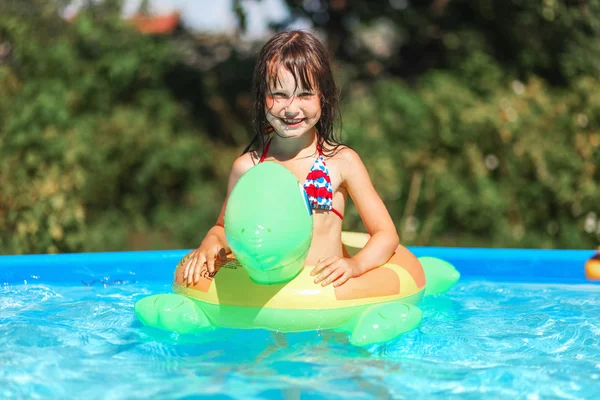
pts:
[319, 150]
[265, 150]
[336, 212]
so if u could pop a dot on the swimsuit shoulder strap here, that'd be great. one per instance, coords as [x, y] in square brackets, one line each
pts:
[265, 151]
[319, 150]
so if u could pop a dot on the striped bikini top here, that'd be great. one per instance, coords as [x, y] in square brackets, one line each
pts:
[317, 185]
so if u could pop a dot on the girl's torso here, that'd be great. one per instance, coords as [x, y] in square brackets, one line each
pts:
[327, 223]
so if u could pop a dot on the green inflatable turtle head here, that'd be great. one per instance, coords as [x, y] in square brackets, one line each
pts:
[268, 223]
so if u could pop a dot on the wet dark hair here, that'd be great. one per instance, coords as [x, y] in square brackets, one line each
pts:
[306, 58]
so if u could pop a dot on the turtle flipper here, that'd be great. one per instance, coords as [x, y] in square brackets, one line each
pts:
[441, 276]
[172, 312]
[383, 322]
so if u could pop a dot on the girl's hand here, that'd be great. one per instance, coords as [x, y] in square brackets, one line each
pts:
[209, 250]
[335, 270]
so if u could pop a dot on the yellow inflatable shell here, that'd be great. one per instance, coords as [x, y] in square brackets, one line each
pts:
[401, 278]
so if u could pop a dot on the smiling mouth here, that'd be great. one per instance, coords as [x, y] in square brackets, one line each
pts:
[292, 122]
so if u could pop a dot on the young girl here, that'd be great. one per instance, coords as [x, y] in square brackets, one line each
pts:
[295, 109]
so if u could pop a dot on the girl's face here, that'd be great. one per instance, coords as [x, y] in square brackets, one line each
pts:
[291, 109]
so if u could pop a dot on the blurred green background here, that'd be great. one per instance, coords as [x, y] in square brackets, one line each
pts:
[479, 120]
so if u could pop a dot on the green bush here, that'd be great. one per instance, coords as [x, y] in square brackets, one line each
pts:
[480, 127]
[96, 152]
[515, 165]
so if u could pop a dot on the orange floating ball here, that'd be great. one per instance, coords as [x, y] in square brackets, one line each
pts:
[592, 268]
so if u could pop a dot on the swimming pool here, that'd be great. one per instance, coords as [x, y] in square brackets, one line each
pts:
[519, 324]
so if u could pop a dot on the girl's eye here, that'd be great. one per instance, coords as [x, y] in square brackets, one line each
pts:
[279, 95]
[305, 95]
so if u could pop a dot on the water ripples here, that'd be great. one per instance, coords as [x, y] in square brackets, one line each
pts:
[489, 340]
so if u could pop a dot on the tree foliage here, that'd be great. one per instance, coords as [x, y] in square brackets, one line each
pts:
[517, 167]
[477, 118]
[96, 150]
[554, 39]
[478, 121]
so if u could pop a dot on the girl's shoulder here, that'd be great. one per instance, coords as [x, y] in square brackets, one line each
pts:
[345, 162]
[341, 153]
[255, 150]
[246, 161]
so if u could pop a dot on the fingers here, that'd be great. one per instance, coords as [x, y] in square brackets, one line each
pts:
[334, 276]
[191, 271]
[342, 279]
[188, 261]
[326, 274]
[199, 263]
[322, 264]
[192, 266]
[194, 261]
[213, 253]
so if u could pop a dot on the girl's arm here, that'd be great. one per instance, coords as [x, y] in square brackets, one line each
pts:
[215, 243]
[384, 238]
[374, 214]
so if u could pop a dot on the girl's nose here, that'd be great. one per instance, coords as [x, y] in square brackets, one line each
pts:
[290, 114]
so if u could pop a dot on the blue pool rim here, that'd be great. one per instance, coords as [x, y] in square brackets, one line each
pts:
[512, 265]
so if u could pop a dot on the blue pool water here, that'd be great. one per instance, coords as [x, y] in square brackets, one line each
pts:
[520, 324]
[481, 340]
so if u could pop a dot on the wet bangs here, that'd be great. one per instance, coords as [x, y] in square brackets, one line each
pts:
[304, 72]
